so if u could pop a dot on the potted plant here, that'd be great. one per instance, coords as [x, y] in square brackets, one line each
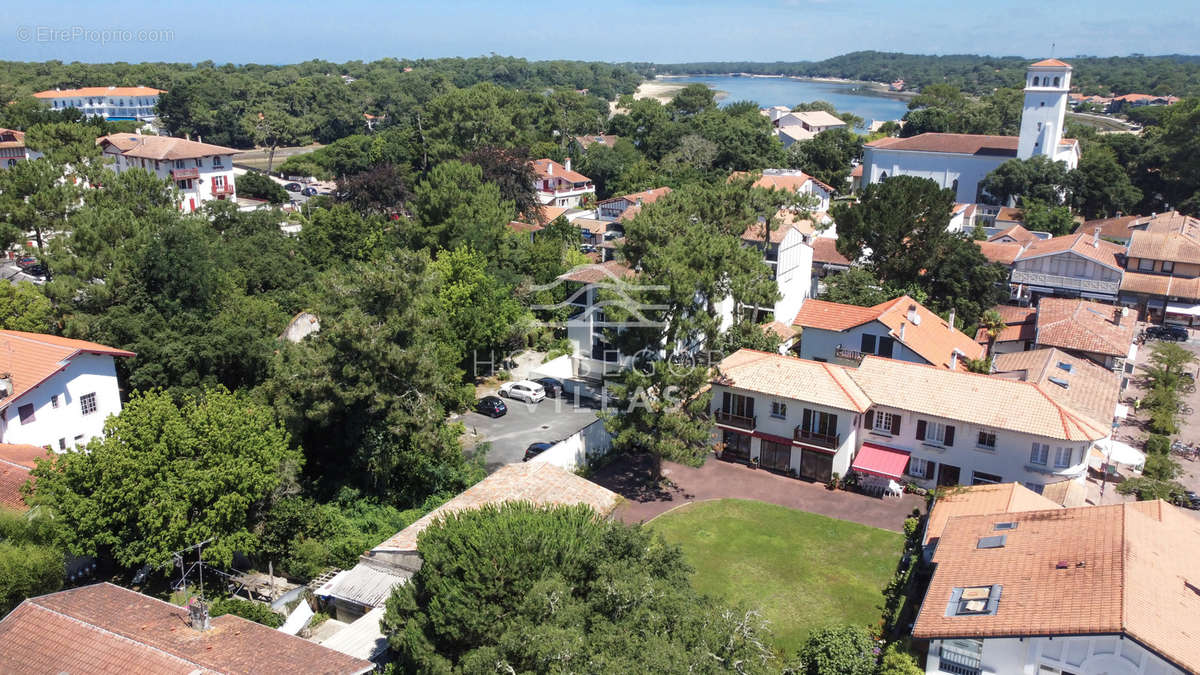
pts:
[832, 484]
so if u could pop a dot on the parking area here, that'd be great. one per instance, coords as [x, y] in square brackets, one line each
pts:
[549, 421]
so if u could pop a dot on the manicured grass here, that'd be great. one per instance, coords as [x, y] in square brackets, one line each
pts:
[802, 570]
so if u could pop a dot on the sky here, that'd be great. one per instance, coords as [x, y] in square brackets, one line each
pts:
[668, 31]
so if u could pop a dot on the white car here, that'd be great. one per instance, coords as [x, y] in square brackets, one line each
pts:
[523, 390]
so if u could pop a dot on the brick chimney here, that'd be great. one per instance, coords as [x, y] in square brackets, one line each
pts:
[197, 610]
[1096, 237]
[951, 320]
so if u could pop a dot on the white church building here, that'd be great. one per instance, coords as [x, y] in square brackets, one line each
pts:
[961, 161]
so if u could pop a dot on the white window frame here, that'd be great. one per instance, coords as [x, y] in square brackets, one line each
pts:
[886, 419]
[917, 462]
[935, 432]
[1039, 454]
[1058, 457]
[779, 410]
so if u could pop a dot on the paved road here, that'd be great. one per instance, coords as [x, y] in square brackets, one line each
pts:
[549, 421]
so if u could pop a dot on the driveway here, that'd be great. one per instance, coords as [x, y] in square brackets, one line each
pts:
[628, 476]
[548, 421]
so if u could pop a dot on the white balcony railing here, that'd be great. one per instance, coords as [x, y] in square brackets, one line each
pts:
[1068, 283]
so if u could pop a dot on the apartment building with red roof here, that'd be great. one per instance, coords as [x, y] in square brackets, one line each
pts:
[201, 171]
[1075, 265]
[55, 392]
[13, 149]
[893, 420]
[111, 103]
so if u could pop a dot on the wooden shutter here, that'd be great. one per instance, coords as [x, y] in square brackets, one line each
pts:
[895, 425]
[868, 344]
[929, 468]
[885, 347]
[870, 420]
[725, 402]
[920, 430]
[949, 436]
[807, 423]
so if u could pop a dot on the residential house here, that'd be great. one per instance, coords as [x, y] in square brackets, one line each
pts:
[1101, 333]
[12, 148]
[1162, 270]
[558, 185]
[1073, 382]
[1125, 101]
[802, 126]
[112, 103]
[788, 253]
[1075, 265]
[525, 229]
[790, 415]
[897, 329]
[103, 628]
[55, 392]
[624, 207]
[353, 593]
[896, 420]
[1014, 233]
[966, 428]
[594, 232]
[1089, 590]
[792, 180]
[16, 461]
[202, 172]
[593, 353]
[856, 175]
[1118, 229]
[961, 161]
[1001, 252]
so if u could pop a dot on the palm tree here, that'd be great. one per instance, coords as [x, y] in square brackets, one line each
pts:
[993, 323]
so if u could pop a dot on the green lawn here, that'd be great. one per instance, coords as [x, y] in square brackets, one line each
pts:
[802, 570]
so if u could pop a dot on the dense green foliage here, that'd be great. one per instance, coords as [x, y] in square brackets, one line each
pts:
[902, 221]
[167, 475]
[843, 649]
[254, 611]
[1160, 75]
[518, 588]
[258, 186]
[1164, 381]
[23, 307]
[30, 563]
[313, 100]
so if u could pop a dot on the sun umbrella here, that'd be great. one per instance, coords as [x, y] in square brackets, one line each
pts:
[1117, 452]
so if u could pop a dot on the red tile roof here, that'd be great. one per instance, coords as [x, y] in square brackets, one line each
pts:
[161, 147]
[99, 91]
[646, 196]
[602, 272]
[15, 463]
[1093, 570]
[548, 168]
[518, 226]
[977, 500]
[1002, 252]
[11, 138]
[586, 142]
[1018, 325]
[107, 629]
[1086, 245]
[825, 251]
[31, 358]
[1086, 326]
[1051, 63]
[1091, 389]
[834, 316]
[961, 144]
[1017, 233]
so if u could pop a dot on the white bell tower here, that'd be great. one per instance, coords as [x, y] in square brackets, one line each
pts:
[1046, 87]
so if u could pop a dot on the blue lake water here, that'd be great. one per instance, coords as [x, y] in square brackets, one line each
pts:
[769, 91]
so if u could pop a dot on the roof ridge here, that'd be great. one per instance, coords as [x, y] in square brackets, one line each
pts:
[120, 636]
[1124, 566]
[843, 388]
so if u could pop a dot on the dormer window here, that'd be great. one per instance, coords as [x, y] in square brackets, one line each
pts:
[974, 601]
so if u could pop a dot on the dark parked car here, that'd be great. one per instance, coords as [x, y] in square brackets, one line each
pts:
[309, 191]
[553, 387]
[35, 271]
[491, 406]
[536, 449]
[1190, 499]
[293, 187]
[1168, 332]
[27, 261]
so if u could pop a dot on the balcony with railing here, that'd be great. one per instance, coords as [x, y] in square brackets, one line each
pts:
[957, 663]
[848, 354]
[219, 190]
[831, 441]
[182, 174]
[1080, 284]
[731, 420]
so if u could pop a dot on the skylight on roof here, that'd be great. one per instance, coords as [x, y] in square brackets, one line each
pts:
[1005, 526]
[1061, 382]
[994, 541]
[1063, 365]
[974, 601]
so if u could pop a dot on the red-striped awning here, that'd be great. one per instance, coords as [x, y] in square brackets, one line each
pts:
[772, 437]
[878, 460]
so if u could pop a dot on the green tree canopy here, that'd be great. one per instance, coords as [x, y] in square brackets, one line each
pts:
[166, 476]
[526, 589]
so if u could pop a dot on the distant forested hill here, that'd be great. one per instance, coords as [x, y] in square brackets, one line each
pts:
[1161, 75]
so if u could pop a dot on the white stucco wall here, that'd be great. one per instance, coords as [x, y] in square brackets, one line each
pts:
[793, 275]
[579, 448]
[86, 373]
[942, 167]
[1084, 655]
[819, 343]
[1008, 460]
